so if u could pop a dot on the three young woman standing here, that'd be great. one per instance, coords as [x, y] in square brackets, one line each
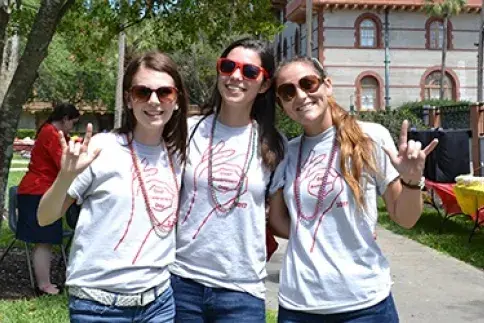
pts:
[322, 193]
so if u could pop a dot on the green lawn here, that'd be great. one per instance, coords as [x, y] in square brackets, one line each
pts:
[452, 241]
[13, 179]
[17, 156]
[45, 309]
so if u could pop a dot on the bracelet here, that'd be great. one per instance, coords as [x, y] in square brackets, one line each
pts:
[420, 186]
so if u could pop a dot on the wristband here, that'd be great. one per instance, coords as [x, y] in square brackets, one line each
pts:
[419, 186]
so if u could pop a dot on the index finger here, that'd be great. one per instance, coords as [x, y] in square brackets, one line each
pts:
[403, 133]
[87, 136]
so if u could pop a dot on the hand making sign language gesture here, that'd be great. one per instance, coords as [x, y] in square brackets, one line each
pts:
[410, 159]
[76, 155]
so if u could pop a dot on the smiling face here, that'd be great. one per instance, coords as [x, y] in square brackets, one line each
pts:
[237, 90]
[311, 110]
[151, 115]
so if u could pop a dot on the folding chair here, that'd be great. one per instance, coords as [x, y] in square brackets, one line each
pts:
[12, 223]
[446, 195]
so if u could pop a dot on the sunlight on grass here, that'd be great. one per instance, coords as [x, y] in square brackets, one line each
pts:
[452, 241]
[14, 178]
[271, 316]
[45, 309]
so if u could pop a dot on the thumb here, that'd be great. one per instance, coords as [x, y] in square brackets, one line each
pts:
[391, 154]
[95, 154]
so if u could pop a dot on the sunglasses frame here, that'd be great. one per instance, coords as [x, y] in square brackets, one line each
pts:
[161, 99]
[298, 85]
[240, 66]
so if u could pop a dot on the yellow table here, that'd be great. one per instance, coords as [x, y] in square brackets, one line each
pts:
[471, 202]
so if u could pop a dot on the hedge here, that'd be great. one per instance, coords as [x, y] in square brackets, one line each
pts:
[23, 133]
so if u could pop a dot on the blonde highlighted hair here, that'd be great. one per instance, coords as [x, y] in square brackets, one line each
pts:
[356, 148]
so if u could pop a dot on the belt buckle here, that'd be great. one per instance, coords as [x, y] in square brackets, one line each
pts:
[147, 297]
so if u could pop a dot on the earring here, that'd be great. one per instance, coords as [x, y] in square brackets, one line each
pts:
[175, 107]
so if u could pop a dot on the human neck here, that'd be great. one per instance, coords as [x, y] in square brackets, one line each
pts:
[57, 125]
[235, 116]
[147, 137]
[318, 126]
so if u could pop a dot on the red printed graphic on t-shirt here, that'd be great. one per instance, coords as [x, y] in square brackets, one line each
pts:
[162, 201]
[311, 179]
[226, 177]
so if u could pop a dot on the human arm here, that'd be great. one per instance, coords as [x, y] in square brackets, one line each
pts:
[404, 204]
[76, 157]
[279, 219]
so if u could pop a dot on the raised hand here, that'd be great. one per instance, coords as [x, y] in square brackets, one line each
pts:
[76, 156]
[410, 159]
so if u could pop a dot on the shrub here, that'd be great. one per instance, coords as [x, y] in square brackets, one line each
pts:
[286, 125]
[392, 120]
[23, 133]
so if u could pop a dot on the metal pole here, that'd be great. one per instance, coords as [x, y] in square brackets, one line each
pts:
[480, 58]
[352, 104]
[309, 27]
[387, 62]
[118, 112]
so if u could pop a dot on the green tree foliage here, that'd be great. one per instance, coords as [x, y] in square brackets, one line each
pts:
[392, 120]
[65, 77]
[81, 66]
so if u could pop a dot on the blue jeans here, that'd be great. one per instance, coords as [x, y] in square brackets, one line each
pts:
[196, 303]
[383, 312]
[161, 310]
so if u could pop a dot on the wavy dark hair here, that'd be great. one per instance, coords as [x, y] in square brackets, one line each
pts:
[263, 109]
[61, 111]
[355, 146]
[175, 131]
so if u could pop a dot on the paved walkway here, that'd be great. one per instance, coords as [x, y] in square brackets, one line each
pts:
[429, 286]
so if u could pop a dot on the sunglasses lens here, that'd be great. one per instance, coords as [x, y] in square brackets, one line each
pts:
[309, 84]
[251, 71]
[166, 94]
[140, 93]
[286, 92]
[227, 66]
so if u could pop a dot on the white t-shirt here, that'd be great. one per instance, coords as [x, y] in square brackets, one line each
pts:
[333, 263]
[115, 247]
[214, 248]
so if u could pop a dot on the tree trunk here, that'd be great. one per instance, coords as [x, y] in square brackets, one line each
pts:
[43, 29]
[118, 110]
[4, 19]
[444, 55]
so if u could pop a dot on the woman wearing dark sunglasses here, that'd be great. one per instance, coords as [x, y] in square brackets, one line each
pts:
[219, 272]
[334, 271]
[124, 239]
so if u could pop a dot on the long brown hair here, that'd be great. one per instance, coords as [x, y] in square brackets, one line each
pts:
[356, 148]
[264, 107]
[175, 131]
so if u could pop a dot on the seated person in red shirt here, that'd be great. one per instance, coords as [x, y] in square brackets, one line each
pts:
[43, 168]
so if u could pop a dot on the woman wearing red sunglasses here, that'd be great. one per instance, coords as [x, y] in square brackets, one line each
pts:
[334, 271]
[219, 272]
[124, 239]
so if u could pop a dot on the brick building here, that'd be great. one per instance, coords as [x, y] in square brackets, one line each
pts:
[349, 38]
